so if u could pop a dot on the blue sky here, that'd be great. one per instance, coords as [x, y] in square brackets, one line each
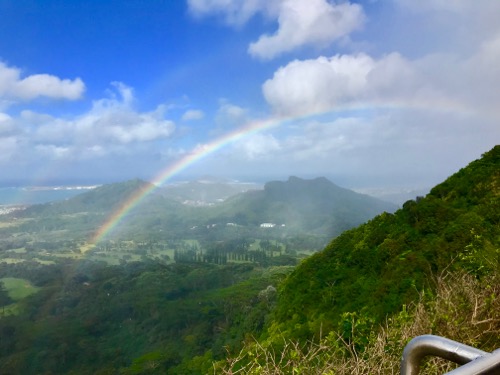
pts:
[375, 93]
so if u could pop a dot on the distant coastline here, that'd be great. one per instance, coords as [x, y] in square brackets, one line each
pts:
[29, 195]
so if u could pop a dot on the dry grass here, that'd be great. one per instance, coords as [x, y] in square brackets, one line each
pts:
[463, 309]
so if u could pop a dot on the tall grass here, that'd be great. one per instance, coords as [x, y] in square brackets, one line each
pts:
[461, 308]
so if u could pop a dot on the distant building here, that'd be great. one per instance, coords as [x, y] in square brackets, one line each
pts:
[267, 225]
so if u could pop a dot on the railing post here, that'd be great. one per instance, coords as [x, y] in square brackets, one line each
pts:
[426, 345]
[487, 365]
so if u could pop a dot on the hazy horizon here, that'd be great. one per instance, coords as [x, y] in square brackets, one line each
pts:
[367, 93]
[30, 194]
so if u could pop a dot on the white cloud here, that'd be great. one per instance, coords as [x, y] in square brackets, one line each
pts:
[458, 25]
[230, 115]
[6, 124]
[114, 120]
[301, 23]
[126, 93]
[312, 22]
[9, 148]
[457, 68]
[146, 129]
[438, 81]
[111, 126]
[340, 81]
[312, 142]
[479, 77]
[13, 87]
[258, 146]
[234, 12]
[193, 114]
[55, 152]
[398, 146]
[456, 6]
[317, 140]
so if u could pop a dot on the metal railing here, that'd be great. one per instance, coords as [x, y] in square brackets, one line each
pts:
[473, 361]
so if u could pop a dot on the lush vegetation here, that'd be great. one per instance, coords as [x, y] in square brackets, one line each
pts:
[383, 264]
[171, 289]
[460, 306]
[335, 301]
[88, 318]
[228, 299]
[315, 208]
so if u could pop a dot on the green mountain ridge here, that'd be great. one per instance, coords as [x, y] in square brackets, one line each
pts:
[102, 199]
[379, 266]
[316, 206]
[150, 316]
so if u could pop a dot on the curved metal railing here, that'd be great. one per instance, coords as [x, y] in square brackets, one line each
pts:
[473, 361]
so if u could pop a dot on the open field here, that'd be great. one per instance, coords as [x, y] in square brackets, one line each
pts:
[18, 288]
[13, 223]
[49, 245]
[43, 261]
[11, 260]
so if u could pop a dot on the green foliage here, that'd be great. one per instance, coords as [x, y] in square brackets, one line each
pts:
[230, 286]
[383, 264]
[306, 206]
[5, 298]
[461, 308]
[149, 363]
[138, 318]
[18, 288]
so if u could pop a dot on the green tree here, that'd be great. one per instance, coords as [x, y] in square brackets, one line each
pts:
[4, 297]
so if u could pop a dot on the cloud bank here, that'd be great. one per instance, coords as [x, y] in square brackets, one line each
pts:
[439, 81]
[15, 88]
[111, 126]
[316, 23]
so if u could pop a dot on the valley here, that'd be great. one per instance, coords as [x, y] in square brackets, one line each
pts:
[276, 225]
[181, 288]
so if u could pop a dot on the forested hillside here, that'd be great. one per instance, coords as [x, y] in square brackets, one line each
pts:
[431, 267]
[188, 306]
[315, 206]
[172, 287]
[295, 208]
[383, 264]
[99, 200]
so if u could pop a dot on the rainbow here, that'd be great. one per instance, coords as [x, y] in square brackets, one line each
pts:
[197, 154]
[204, 150]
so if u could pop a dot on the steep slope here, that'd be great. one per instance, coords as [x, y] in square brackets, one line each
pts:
[376, 268]
[316, 206]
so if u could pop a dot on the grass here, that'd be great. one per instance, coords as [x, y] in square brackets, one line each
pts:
[13, 223]
[11, 260]
[86, 247]
[9, 224]
[65, 255]
[43, 261]
[114, 255]
[21, 250]
[18, 288]
[464, 309]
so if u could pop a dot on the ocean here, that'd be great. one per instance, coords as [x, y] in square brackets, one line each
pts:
[36, 195]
